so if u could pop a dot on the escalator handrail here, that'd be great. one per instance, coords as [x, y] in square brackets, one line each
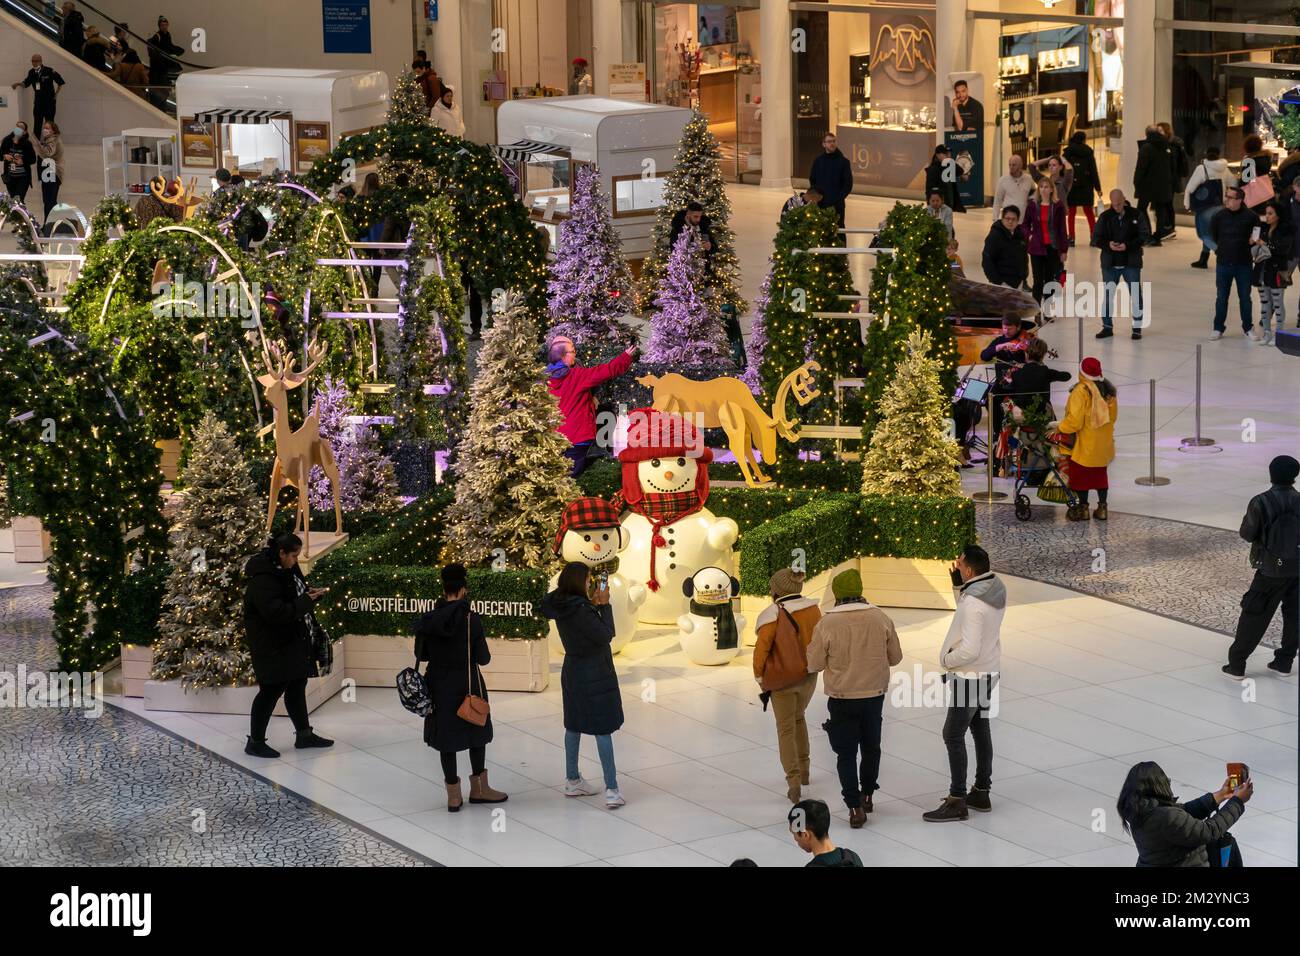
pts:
[56, 24]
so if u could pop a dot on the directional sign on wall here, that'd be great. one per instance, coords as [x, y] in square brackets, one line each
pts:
[346, 26]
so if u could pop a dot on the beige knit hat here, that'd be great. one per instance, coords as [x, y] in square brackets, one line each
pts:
[785, 581]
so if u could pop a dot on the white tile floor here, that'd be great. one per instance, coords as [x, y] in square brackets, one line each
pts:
[698, 764]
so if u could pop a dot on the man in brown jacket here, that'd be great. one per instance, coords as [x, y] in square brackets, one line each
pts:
[789, 703]
[855, 645]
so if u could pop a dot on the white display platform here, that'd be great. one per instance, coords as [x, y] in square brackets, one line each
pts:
[317, 545]
[168, 695]
[374, 660]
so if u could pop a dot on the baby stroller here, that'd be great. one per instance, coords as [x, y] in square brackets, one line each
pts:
[1033, 457]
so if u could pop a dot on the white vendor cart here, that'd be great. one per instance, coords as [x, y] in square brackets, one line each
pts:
[256, 120]
[543, 140]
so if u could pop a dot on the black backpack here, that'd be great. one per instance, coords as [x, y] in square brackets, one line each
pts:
[1279, 551]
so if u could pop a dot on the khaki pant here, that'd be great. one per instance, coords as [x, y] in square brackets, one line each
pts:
[788, 707]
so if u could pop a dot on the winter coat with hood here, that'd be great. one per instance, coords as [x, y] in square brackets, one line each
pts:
[1153, 178]
[1171, 834]
[1087, 180]
[854, 645]
[444, 639]
[588, 681]
[572, 389]
[276, 606]
[973, 644]
[1006, 255]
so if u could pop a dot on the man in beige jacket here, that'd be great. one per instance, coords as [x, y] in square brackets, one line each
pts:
[854, 645]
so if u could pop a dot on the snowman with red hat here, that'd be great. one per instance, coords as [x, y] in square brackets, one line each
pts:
[665, 487]
[590, 533]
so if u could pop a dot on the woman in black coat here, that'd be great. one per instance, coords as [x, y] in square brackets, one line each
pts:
[1086, 186]
[1168, 833]
[445, 638]
[935, 181]
[277, 608]
[18, 159]
[592, 702]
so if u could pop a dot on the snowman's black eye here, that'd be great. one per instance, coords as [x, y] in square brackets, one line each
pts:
[604, 537]
[586, 537]
[681, 462]
[654, 462]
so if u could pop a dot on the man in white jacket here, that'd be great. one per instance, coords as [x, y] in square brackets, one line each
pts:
[971, 658]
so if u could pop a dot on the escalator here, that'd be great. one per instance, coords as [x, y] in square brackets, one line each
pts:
[157, 87]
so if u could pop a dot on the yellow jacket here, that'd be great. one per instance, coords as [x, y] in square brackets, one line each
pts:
[1094, 447]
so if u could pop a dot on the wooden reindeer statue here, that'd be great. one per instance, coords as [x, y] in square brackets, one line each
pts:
[297, 451]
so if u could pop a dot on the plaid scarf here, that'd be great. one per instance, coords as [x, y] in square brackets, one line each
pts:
[660, 509]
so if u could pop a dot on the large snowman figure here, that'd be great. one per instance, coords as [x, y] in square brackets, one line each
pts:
[590, 533]
[665, 486]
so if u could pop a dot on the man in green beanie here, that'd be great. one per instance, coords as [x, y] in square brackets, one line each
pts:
[854, 645]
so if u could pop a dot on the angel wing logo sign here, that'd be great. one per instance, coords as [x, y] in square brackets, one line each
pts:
[904, 51]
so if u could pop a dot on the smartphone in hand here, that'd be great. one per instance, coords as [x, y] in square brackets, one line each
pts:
[1238, 773]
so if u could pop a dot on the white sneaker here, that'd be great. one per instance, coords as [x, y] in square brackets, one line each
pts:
[614, 799]
[1216, 335]
[1255, 335]
[578, 788]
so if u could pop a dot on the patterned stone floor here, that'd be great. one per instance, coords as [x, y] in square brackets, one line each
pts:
[117, 791]
[1188, 572]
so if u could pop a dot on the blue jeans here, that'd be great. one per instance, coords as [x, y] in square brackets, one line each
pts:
[604, 747]
[1225, 274]
[1111, 277]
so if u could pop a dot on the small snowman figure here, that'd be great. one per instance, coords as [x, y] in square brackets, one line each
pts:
[665, 486]
[710, 631]
[590, 533]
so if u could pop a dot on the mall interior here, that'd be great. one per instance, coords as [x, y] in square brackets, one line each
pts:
[422, 291]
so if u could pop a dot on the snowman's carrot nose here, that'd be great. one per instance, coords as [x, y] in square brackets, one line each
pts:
[597, 547]
[668, 475]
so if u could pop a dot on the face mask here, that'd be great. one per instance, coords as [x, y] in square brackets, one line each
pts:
[19, 132]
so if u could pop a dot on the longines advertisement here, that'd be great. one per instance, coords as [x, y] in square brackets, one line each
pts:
[964, 134]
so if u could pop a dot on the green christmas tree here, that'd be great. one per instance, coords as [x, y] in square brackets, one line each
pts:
[696, 176]
[201, 629]
[406, 105]
[912, 451]
[512, 479]
[909, 290]
[800, 285]
[407, 113]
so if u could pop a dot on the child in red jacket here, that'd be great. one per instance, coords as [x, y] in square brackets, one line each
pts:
[571, 385]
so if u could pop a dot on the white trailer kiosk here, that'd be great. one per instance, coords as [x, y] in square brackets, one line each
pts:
[255, 120]
[633, 145]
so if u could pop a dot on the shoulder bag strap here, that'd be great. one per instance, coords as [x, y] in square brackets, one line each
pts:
[469, 652]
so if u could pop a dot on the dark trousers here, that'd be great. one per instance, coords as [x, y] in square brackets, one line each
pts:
[1258, 605]
[968, 710]
[854, 726]
[42, 110]
[577, 454]
[1225, 274]
[475, 307]
[1112, 277]
[477, 763]
[50, 195]
[1164, 217]
[1047, 268]
[17, 187]
[268, 695]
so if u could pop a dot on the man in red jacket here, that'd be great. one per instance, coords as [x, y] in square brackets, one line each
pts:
[571, 385]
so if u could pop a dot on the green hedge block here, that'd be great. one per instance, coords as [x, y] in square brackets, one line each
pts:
[915, 526]
[807, 475]
[751, 507]
[602, 479]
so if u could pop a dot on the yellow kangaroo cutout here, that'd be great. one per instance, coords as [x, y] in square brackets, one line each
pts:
[727, 403]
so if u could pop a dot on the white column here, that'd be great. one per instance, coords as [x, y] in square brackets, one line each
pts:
[950, 51]
[444, 50]
[1139, 86]
[606, 42]
[775, 57]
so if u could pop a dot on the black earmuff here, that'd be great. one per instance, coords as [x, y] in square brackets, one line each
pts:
[688, 587]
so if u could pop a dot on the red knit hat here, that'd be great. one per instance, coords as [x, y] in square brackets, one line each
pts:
[584, 513]
[655, 434]
[1090, 369]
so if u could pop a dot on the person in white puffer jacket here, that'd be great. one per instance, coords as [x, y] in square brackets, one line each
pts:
[1211, 167]
[971, 657]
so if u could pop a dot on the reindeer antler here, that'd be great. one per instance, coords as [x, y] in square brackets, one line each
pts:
[315, 353]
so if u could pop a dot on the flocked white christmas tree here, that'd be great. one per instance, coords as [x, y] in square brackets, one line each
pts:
[201, 628]
[590, 287]
[912, 450]
[366, 476]
[512, 479]
[685, 328]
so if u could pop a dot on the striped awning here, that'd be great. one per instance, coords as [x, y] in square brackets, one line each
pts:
[525, 149]
[242, 117]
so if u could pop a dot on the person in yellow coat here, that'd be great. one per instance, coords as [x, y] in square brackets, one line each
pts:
[1090, 418]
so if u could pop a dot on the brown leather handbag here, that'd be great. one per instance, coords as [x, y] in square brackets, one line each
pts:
[473, 709]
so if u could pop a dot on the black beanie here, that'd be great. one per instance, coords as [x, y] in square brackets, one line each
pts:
[1283, 470]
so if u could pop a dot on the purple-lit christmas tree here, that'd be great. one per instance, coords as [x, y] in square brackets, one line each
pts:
[366, 479]
[685, 328]
[590, 286]
[757, 342]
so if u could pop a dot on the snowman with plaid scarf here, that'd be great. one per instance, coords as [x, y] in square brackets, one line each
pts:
[590, 533]
[672, 535]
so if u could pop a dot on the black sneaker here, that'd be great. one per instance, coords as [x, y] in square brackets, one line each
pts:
[1280, 669]
[1105, 333]
[978, 799]
[952, 809]
[1201, 264]
[311, 739]
[258, 748]
[1231, 674]
[1137, 334]
[1153, 242]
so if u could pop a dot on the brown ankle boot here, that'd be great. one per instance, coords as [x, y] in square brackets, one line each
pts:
[480, 792]
[1100, 514]
[453, 797]
[857, 817]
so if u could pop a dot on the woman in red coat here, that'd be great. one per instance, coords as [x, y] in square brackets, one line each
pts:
[571, 385]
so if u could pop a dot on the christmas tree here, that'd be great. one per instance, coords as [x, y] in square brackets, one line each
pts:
[696, 176]
[407, 114]
[406, 105]
[911, 450]
[365, 473]
[756, 345]
[590, 286]
[512, 479]
[686, 329]
[220, 526]
[909, 290]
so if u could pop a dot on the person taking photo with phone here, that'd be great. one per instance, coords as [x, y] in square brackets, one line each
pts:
[1169, 833]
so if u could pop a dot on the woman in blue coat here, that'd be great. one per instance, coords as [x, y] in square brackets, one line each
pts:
[588, 681]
